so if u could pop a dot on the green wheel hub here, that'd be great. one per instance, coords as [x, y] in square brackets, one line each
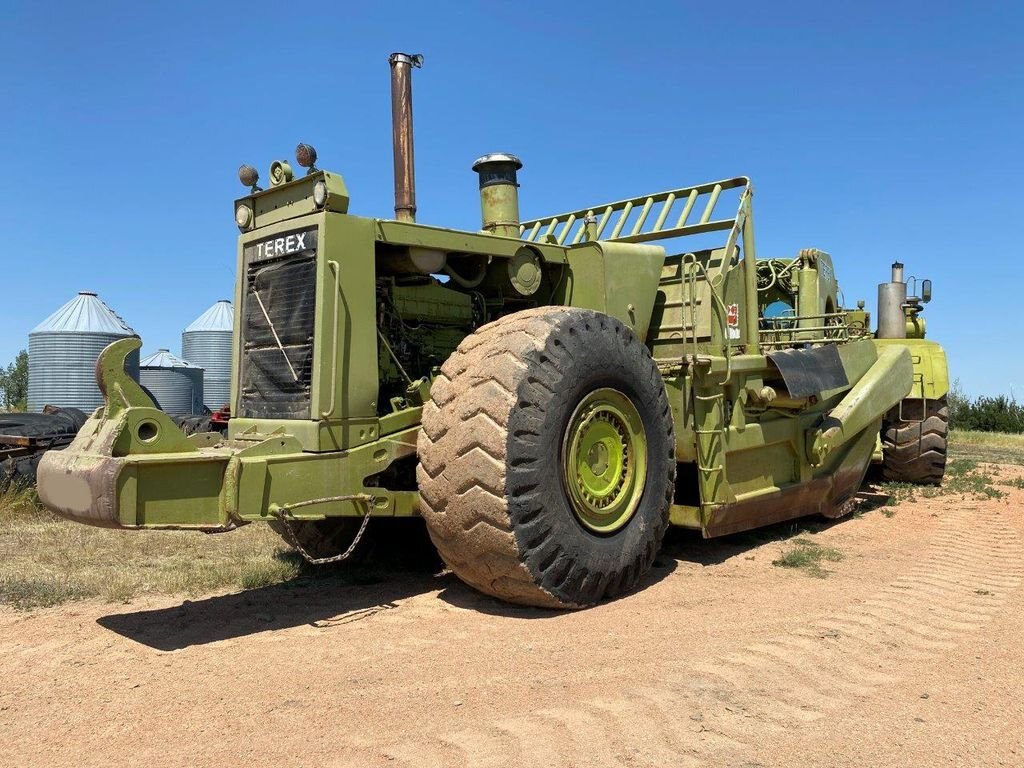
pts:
[604, 460]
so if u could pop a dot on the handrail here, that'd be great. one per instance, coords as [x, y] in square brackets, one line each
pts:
[334, 339]
[690, 277]
[571, 228]
[793, 330]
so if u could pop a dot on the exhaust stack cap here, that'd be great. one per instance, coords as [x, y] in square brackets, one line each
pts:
[497, 168]
[413, 59]
[499, 193]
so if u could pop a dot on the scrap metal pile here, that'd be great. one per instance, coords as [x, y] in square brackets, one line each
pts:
[24, 437]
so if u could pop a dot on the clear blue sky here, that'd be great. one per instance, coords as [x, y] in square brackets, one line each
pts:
[872, 130]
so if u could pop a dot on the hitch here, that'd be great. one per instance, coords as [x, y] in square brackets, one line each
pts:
[141, 427]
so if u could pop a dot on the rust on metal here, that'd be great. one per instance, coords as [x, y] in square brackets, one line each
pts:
[401, 133]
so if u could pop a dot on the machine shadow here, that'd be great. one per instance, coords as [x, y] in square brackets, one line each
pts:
[337, 596]
[689, 546]
[317, 599]
[680, 546]
[459, 595]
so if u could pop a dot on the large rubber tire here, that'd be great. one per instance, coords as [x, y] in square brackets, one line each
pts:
[491, 479]
[914, 449]
[19, 472]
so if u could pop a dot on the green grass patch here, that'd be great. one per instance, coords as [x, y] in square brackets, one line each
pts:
[46, 560]
[807, 555]
[898, 493]
[963, 477]
[266, 573]
[976, 484]
[959, 467]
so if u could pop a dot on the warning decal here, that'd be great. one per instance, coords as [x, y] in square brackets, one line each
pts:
[732, 317]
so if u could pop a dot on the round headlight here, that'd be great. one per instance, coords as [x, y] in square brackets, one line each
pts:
[243, 216]
[305, 156]
[248, 175]
[320, 194]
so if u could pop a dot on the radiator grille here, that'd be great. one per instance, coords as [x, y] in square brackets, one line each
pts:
[277, 371]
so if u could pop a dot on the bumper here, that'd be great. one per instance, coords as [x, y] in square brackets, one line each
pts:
[155, 491]
[220, 486]
[130, 466]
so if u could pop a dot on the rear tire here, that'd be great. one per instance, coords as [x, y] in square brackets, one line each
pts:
[913, 450]
[520, 499]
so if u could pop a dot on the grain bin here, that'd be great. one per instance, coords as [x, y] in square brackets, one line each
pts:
[207, 344]
[62, 352]
[176, 384]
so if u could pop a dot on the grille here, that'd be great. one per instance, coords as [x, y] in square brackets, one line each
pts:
[277, 370]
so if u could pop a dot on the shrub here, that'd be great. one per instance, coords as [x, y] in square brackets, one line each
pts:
[1001, 413]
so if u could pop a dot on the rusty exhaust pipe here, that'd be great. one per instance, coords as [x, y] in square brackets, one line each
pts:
[401, 133]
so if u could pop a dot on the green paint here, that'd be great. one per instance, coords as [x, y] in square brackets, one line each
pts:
[604, 460]
[883, 386]
[619, 279]
[379, 326]
[931, 371]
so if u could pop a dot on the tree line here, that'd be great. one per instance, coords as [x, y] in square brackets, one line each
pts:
[1000, 413]
[14, 384]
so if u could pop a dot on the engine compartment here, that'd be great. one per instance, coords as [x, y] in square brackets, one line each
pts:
[420, 322]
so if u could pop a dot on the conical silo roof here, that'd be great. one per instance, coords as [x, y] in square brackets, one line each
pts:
[207, 344]
[62, 353]
[175, 384]
[86, 313]
[219, 317]
[164, 358]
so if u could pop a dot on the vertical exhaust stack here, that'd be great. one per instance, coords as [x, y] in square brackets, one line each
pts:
[401, 133]
[892, 296]
[499, 193]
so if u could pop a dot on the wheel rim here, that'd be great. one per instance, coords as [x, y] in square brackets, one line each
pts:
[604, 460]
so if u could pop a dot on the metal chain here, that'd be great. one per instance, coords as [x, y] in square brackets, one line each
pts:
[283, 514]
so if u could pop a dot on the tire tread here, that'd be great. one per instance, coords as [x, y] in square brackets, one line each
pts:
[915, 452]
[464, 446]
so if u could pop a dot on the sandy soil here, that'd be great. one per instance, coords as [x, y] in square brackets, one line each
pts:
[909, 654]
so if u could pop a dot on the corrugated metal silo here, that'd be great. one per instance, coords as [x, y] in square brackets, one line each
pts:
[207, 344]
[176, 384]
[62, 352]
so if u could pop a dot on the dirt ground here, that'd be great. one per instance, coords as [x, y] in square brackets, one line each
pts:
[909, 653]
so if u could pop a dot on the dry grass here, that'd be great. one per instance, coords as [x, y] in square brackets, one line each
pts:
[18, 504]
[46, 561]
[987, 447]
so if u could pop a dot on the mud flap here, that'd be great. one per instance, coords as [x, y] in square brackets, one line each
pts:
[810, 371]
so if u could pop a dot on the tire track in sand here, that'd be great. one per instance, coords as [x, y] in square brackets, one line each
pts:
[721, 709]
